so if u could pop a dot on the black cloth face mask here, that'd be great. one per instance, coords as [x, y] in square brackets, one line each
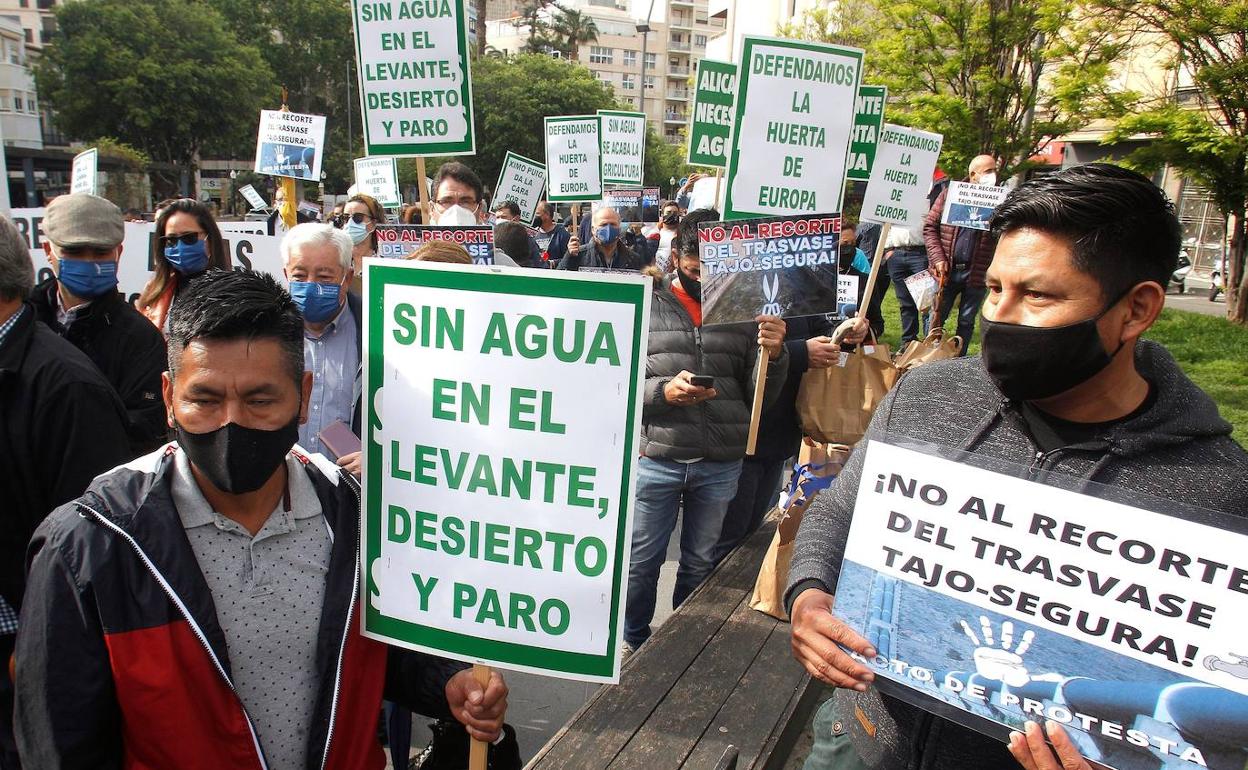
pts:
[691, 285]
[236, 459]
[1036, 362]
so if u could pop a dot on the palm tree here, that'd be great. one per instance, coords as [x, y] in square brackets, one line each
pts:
[573, 29]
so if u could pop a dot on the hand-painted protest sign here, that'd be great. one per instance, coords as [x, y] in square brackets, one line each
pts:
[379, 177]
[84, 172]
[574, 158]
[399, 241]
[992, 600]
[971, 205]
[633, 204]
[868, 120]
[415, 84]
[901, 176]
[711, 128]
[254, 199]
[521, 180]
[783, 266]
[497, 509]
[623, 146]
[795, 112]
[248, 250]
[290, 144]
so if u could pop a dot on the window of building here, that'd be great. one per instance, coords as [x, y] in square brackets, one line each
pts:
[30, 35]
[17, 103]
[30, 106]
[652, 61]
[699, 41]
[630, 58]
[629, 82]
[1204, 228]
[600, 55]
[649, 82]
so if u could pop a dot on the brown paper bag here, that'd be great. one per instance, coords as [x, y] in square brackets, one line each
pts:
[835, 404]
[933, 347]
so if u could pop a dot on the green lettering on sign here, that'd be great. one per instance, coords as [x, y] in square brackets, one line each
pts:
[711, 128]
[868, 120]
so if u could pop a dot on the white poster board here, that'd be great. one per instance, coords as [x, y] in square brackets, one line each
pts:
[521, 180]
[254, 199]
[574, 158]
[623, 147]
[901, 176]
[379, 178]
[84, 173]
[971, 205]
[290, 144]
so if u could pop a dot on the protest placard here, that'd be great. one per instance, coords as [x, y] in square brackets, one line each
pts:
[290, 144]
[782, 266]
[84, 172]
[521, 180]
[633, 204]
[399, 241]
[868, 120]
[794, 115]
[623, 147]
[901, 176]
[379, 178]
[254, 199]
[247, 248]
[574, 158]
[971, 205]
[992, 599]
[415, 83]
[497, 510]
[710, 129]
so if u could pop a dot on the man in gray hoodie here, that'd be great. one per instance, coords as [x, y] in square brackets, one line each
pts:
[1064, 386]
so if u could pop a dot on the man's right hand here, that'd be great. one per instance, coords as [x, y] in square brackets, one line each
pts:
[822, 352]
[680, 391]
[939, 269]
[815, 634]
[574, 245]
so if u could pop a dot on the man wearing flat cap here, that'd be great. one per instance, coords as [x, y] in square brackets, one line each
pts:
[82, 239]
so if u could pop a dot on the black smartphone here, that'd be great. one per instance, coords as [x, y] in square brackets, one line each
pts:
[702, 380]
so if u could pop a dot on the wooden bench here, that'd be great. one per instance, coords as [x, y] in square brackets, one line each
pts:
[716, 674]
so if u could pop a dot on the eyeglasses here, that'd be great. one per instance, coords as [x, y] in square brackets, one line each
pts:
[467, 201]
[358, 218]
[186, 238]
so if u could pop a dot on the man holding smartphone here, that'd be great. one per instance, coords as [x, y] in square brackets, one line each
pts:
[695, 420]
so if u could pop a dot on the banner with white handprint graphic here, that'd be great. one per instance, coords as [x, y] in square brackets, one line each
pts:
[971, 205]
[781, 266]
[991, 598]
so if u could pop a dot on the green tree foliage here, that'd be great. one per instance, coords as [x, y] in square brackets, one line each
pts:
[570, 29]
[1002, 77]
[167, 77]
[1205, 133]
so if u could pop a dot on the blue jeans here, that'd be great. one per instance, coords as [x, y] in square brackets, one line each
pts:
[968, 307]
[905, 262]
[706, 487]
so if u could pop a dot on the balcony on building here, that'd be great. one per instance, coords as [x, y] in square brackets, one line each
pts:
[680, 94]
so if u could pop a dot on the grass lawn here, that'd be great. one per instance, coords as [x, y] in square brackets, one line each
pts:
[1211, 350]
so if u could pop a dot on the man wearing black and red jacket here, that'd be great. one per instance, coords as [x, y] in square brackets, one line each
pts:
[200, 606]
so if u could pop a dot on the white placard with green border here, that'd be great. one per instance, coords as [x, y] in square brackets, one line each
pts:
[868, 120]
[415, 83]
[574, 158]
[623, 147]
[521, 180]
[379, 178]
[497, 506]
[791, 134]
[710, 127]
[901, 176]
[84, 173]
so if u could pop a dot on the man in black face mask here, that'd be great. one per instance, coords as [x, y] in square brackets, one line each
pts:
[221, 574]
[1065, 387]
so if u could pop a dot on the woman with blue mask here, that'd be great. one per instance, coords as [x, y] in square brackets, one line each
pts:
[187, 243]
[359, 219]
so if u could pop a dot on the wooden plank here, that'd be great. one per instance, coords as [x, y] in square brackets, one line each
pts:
[677, 724]
[606, 723]
[748, 719]
[789, 726]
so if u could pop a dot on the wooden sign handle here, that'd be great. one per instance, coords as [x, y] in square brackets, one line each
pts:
[424, 191]
[756, 410]
[875, 270]
[478, 751]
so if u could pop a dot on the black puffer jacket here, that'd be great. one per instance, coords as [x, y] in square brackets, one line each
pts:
[716, 429]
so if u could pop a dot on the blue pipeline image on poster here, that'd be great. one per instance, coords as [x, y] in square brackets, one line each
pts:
[288, 160]
[993, 600]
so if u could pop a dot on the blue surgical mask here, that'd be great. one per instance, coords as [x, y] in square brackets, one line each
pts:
[358, 231]
[318, 301]
[87, 279]
[607, 234]
[188, 260]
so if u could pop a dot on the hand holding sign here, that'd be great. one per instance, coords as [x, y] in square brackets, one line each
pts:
[816, 634]
[771, 331]
[1033, 753]
[480, 709]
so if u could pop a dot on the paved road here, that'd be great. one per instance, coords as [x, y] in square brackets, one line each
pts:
[1197, 302]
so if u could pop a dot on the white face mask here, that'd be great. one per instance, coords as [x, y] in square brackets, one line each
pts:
[988, 179]
[456, 215]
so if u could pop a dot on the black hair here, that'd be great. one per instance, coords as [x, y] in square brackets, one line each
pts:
[460, 173]
[1121, 227]
[236, 304]
[218, 256]
[510, 207]
[686, 243]
[513, 238]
